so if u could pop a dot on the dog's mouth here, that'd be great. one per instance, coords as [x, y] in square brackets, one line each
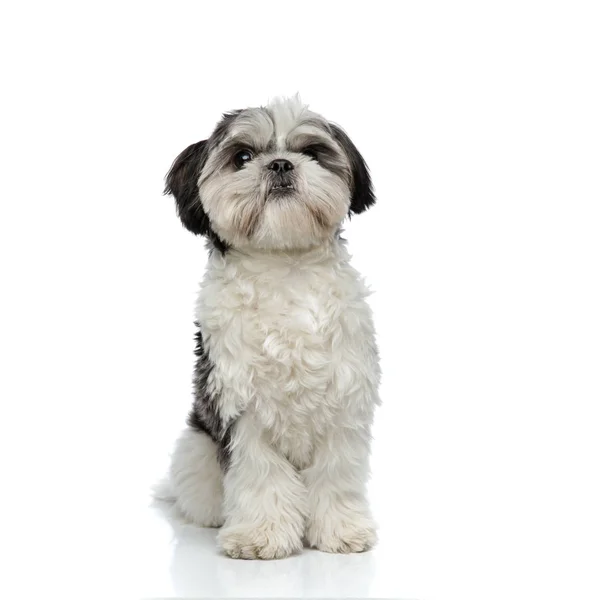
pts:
[281, 188]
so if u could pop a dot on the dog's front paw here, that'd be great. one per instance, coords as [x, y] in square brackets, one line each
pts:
[266, 541]
[342, 536]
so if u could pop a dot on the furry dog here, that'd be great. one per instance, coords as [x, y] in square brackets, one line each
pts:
[277, 445]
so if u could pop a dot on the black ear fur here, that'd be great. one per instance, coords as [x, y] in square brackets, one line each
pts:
[182, 182]
[362, 196]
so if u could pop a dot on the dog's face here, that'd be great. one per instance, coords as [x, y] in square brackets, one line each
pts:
[277, 178]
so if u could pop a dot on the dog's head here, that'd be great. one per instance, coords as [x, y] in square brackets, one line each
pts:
[275, 177]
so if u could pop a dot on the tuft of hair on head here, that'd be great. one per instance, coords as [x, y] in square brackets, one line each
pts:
[293, 105]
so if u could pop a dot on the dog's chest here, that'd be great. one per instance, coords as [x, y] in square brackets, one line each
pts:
[292, 335]
[279, 337]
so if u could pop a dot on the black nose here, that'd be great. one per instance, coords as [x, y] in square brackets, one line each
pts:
[280, 165]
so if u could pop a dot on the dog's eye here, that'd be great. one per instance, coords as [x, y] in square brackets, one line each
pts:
[241, 158]
[311, 152]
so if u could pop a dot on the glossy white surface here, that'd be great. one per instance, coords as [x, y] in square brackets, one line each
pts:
[480, 123]
[195, 569]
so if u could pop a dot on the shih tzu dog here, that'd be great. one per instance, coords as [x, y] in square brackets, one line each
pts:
[277, 445]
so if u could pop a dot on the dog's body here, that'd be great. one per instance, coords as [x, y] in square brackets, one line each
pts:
[287, 371]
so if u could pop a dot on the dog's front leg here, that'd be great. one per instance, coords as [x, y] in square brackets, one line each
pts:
[265, 500]
[339, 518]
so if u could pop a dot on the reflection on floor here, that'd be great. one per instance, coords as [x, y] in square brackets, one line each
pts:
[199, 569]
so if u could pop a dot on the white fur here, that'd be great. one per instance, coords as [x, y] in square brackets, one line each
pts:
[265, 500]
[295, 362]
[196, 480]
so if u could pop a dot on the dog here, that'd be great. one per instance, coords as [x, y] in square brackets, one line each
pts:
[276, 451]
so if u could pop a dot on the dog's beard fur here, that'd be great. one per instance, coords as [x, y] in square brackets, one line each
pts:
[245, 212]
[241, 205]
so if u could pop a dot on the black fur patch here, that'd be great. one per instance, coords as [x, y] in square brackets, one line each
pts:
[204, 415]
[362, 189]
[182, 183]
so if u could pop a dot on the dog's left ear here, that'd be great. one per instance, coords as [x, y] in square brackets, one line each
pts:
[362, 195]
[182, 182]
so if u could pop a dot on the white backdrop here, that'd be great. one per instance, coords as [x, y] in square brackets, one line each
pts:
[481, 125]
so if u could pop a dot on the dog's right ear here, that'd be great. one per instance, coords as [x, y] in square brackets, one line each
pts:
[182, 182]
